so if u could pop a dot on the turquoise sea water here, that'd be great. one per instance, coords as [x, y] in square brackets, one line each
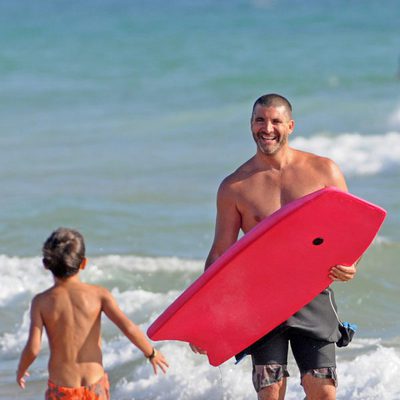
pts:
[121, 118]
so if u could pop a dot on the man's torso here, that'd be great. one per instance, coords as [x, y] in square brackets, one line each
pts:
[260, 192]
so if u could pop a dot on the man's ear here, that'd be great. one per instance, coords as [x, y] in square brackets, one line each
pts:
[83, 263]
[291, 126]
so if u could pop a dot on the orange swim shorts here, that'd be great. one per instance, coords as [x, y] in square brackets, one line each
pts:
[96, 391]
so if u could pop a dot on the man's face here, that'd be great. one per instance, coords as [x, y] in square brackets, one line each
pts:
[271, 127]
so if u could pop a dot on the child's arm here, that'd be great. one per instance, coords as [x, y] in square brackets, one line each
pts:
[32, 347]
[132, 331]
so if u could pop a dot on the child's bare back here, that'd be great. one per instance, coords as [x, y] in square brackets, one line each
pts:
[71, 313]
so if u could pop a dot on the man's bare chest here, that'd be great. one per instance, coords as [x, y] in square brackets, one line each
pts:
[258, 198]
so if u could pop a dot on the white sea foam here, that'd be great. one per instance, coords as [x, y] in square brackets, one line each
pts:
[371, 376]
[148, 264]
[142, 302]
[21, 276]
[119, 351]
[13, 341]
[355, 153]
[26, 276]
[189, 377]
[367, 369]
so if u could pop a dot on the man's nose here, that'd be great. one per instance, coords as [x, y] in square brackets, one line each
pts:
[269, 126]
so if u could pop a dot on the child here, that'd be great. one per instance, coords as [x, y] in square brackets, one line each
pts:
[70, 311]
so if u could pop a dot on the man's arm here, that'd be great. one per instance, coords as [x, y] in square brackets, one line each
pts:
[336, 177]
[132, 331]
[228, 223]
[340, 272]
[227, 226]
[32, 347]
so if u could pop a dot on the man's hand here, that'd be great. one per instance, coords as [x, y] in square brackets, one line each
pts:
[343, 272]
[197, 350]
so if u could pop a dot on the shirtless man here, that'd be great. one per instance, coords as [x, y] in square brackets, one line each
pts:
[70, 311]
[276, 175]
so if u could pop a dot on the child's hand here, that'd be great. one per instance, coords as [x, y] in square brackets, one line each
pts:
[21, 378]
[158, 360]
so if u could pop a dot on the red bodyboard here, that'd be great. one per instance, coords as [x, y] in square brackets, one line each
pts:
[270, 273]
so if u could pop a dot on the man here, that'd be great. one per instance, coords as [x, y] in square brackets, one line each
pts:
[276, 175]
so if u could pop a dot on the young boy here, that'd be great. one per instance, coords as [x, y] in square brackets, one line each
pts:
[70, 311]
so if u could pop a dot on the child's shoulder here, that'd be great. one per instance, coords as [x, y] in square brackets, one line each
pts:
[57, 295]
[59, 290]
[96, 290]
[42, 297]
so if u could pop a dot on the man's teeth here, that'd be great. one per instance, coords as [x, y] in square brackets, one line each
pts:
[265, 137]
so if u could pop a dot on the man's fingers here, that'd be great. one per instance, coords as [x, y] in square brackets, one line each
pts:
[197, 350]
[342, 272]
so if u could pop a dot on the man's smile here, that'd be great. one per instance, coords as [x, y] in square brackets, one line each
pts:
[267, 137]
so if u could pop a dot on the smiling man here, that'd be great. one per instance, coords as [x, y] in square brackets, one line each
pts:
[276, 175]
[271, 125]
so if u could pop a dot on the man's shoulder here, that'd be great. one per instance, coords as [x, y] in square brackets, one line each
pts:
[241, 173]
[324, 168]
[312, 159]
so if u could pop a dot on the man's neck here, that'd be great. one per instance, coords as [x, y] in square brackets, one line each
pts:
[277, 161]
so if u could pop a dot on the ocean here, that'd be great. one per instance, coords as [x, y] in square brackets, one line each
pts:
[120, 119]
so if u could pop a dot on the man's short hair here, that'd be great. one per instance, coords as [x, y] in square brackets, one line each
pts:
[63, 252]
[273, 100]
